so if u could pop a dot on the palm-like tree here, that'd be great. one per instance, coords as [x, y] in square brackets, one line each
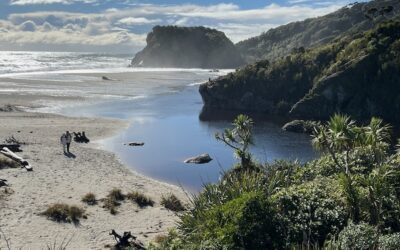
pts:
[340, 137]
[376, 137]
[379, 188]
[336, 137]
[239, 138]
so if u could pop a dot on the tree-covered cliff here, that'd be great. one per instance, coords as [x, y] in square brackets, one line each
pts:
[358, 74]
[188, 47]
[312, 32]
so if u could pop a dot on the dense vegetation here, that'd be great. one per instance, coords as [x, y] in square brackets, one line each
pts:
[349, 198]
[188, 47]
[358, 75]
[312, 32]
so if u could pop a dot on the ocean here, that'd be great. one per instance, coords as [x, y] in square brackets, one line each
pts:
[161, 105]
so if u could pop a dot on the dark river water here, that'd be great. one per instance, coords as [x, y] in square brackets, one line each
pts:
[169, 125]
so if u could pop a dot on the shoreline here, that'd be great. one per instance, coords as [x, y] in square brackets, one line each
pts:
[60, 179]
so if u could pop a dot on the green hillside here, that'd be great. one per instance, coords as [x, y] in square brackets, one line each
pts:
[358, 75]
[313, 32]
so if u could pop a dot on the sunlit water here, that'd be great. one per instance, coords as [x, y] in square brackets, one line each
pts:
[163, 107]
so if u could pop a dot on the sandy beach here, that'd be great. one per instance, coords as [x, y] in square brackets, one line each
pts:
[57, 178]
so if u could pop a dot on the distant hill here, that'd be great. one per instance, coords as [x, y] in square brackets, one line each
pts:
[358, 75]
[313, 32]
[188, 47]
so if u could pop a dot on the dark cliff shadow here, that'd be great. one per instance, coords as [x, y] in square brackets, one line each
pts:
[210, 114]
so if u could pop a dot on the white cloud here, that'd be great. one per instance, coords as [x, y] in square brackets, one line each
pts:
[137, 21]
[124, 28]
[32, 2]
[28, 26]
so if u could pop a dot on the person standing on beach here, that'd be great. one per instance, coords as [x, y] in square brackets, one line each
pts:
[63, 141]
[69, 140]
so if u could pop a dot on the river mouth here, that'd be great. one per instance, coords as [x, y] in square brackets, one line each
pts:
[169, 126]
[164, 109]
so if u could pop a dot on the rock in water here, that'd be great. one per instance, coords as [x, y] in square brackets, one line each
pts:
[300, 126]
[135, 144]
[201, 159]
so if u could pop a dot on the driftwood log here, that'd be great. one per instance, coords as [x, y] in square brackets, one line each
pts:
[126, 240]
[3, 182]
[7, 152]
[135, 144]
[12, 146]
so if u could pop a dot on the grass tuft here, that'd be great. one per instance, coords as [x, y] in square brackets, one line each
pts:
[112, 201]
[116, 195]
[61, 212]
[90, 199]
[140, 199]
[172, 203]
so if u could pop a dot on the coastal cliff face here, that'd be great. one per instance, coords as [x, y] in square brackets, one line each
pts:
[313, 32]
[358, 75]
[188, 47]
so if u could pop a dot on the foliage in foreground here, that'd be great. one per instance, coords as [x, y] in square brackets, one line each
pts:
[346, 199]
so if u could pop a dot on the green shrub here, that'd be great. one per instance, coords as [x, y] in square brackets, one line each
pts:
[61, 212]
[140, 199]
[390, 242]
[361, 236]
[310, 211]
[243, 223]
[89, 199]
[172, 203]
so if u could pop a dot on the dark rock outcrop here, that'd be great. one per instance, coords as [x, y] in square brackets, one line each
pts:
[188, 47]
[358, 75]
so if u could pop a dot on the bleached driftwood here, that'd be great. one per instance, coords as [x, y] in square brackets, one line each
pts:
[7, 152]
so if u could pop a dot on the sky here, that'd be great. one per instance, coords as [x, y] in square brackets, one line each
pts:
[121, 26]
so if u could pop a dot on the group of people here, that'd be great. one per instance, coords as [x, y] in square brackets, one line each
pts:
[66, 139]
[81, 137]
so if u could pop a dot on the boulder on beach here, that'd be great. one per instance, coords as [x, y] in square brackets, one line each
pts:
[201, 159]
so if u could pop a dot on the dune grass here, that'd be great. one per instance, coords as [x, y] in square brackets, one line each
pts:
[61, 212]
[172, 203]
[90, 199]
[112, 201]
[140, 199]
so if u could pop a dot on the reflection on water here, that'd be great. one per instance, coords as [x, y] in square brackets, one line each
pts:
[170, 127]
